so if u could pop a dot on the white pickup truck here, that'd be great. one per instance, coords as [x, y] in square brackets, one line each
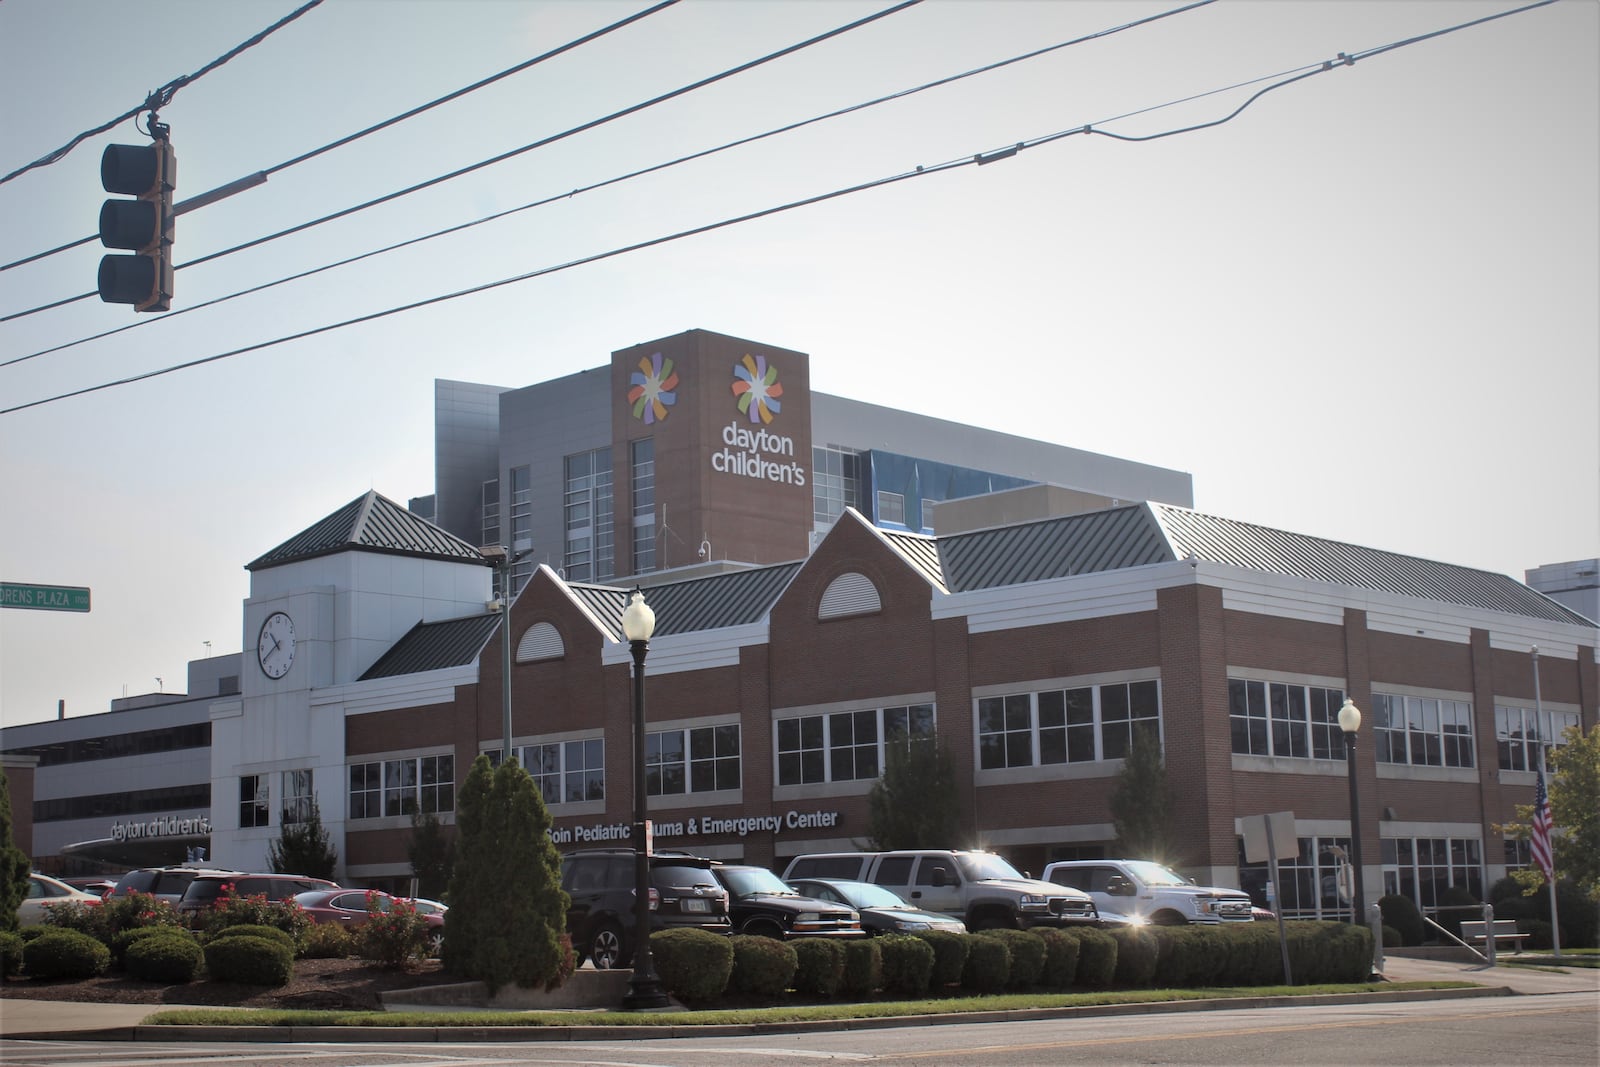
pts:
[1139, 889]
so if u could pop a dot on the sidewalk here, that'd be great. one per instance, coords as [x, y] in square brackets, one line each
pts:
[71, 1020]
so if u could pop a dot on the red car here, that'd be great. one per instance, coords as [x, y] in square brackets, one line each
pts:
[348, 907]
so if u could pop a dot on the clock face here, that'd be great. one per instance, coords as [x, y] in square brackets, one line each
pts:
[275, 647]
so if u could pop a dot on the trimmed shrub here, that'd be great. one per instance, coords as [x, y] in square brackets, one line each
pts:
[1538, 932]
[1452, 899]
[692, 964]
[121, 941]
[1391, 937]
[761, 965]
[907, 964]
[132, 911]
[949, 956]
[1097, 957]
[163, 957]
[863, 967]
[271, 933]
[65, 954]
[1060, 958]
[988, 966]
[1254, 956]
[1027, 956]
[327, 941]
[249, 960]
[395, 935]
[1138, 952]
[230, 910]
[819, 969]
[1401, 913]
[10, 954]
[73, 915]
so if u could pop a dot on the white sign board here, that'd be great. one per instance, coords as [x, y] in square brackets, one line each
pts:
[1266, 836]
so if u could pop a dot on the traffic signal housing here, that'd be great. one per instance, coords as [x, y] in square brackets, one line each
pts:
[142, 225]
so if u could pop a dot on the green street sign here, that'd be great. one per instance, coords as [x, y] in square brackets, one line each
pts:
[44, 597]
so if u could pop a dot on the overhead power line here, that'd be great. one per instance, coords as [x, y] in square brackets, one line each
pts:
[348, 138]
[977, 159]
[654, 168]
[161, 97]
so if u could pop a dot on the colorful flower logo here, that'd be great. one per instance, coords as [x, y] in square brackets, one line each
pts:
[652, 385]
[756, 386]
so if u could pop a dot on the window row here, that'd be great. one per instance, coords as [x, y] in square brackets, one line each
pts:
[127, 802]
[117, 746]
[1422, 731]
[1078, 725]
[845, 746]
[403, 786]
[1285, 720]
[1520, 733]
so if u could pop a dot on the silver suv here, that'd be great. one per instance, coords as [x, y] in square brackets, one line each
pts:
[163, 883]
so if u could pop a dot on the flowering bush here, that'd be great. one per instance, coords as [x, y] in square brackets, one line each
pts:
[394, 933]
[105, 921]
[229, 909]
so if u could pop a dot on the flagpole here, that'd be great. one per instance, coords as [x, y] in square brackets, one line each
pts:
[1550, 878]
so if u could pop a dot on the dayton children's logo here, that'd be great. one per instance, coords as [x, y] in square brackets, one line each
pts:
[756, 386]
[651, 389]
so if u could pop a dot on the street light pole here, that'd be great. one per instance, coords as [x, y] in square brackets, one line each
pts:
[502, 561]
[644, 988]
[1350, 722]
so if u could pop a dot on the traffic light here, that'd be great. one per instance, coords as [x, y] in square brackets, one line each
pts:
[144, 225]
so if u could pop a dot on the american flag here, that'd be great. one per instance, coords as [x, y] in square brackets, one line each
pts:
[1540, 842]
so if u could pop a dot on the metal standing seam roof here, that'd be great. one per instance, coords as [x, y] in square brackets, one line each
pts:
[1261, 548]
[371, 523]
[713, 602]
[432, 646]
[1112, 539]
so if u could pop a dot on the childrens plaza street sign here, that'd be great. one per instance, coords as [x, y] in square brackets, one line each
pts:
[44, 597]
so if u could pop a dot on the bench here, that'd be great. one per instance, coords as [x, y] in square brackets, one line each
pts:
[1504, 930]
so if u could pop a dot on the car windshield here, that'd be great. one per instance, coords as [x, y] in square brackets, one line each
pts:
[976, 866]
[1155, 874]
[743, 881]
[867, 895]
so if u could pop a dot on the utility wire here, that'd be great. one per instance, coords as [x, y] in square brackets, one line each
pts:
[978, 159]
[161, 97]
[385, 124]
[502, 157]
[902, 94]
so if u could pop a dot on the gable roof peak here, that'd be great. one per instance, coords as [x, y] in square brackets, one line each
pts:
[371, 523]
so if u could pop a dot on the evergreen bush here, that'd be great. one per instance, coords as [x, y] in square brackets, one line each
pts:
[271, 933]
[949, 956]
[394, 933]
[230, 910]
[762, 966]
[74, 915]
[693, 965]
[132, 911]
[327, 941]
[10, 954]
[1027, 956]
[1097, 957]
[863, 967]
[819, 969]
[1452, 900]
[120, 941]
[907, 964]
[1254, 955]
[1391, 937]
[988, 966]
[1060, 958]
[249, 960]
[1401, 913]
[164, 957]
[1538, 932]
[65, 954]
[1138, 953]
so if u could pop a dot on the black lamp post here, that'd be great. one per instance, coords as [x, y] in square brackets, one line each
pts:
[503, 560]
[644, 988]
[1350, 722]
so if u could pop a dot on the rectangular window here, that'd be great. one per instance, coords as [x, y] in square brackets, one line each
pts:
[436, 790]
[590, 537]
[642, 463]
[1422, 731]
[402, 786]
[835, 483]
[845, 746]
[568, 772]
[1308, 882]
[1284, 719]
[1519, 734]
[702, 759]
[489, 508]
[297, 796]
[366, 790]
[253, 801]
[1078, 725]
[1422, 867]
[891, 508]
[521, 504]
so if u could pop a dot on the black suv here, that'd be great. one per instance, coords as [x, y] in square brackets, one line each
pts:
[760, 903]
[600, 918]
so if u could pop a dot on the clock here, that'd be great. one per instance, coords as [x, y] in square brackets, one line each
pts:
[275, 646]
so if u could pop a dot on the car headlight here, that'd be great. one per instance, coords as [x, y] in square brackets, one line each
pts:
[1033, 901]
[911, 924]
[807, 917]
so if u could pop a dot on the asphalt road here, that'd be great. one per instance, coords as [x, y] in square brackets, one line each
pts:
[1555, 1029]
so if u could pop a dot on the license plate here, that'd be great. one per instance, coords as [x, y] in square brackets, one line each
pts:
[696, 904]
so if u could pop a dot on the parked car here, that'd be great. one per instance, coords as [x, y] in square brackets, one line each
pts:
[99, 885]
[206, 889]
[163, 883]
[1143, 890]
[349, 908]
[425, 906]
[760, 903]
[881, 911]
[44, 893]
[601, 884]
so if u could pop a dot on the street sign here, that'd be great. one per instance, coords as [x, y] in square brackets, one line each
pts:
[44, 597]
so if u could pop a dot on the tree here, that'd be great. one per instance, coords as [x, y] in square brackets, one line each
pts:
[916, 804]
[508, 913]
[304, 847]
[1574, 792]
[14, 864]
[432, 853]
[1141, 803]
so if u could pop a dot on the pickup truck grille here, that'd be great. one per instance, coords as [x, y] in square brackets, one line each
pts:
[1234, 909]
[1072, 908]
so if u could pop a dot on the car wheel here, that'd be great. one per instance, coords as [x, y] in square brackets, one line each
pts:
[991, 920]
[1168, 918]
[435, 944]
[763, 928]
[605, 948]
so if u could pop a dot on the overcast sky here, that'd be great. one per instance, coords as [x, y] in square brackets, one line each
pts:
[1363, 309]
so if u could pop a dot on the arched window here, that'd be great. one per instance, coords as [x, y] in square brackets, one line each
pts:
[540, 641]
[849, 594]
